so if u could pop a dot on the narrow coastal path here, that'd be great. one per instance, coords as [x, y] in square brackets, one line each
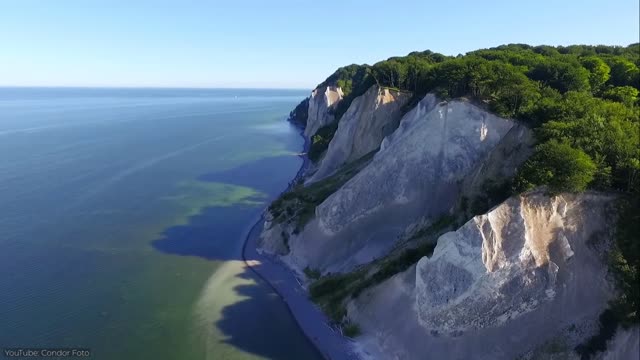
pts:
[312, 321]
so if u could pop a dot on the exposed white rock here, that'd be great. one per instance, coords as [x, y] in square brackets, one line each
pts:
[272, 237]
[501, 162]
[496, 267]
[323, 100]
[504, 283]
[416, 173]
[369, 119]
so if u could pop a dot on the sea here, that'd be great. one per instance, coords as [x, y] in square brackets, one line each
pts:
[123, 214]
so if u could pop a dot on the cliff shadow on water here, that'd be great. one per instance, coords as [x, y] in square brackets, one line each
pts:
[213, 231]
[236, 308]
[261, 324]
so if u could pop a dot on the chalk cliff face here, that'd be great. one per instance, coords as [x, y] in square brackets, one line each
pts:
[370, 118]
[519, 275]
[414, 175]
[501, 162]
[505, 263]
[322, 101]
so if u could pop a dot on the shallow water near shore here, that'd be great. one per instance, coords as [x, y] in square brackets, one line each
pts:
[122, 221]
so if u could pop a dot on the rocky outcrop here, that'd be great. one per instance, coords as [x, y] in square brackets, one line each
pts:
[503, 264]
[416, 173]
[299, 115]
[500, 164]
[370, 118]
[321, 104]
[273, 236]
[504, 283]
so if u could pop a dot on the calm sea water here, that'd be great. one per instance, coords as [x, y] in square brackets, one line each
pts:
[121, 221]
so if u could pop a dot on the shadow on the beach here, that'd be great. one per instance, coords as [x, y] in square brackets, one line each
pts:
[261, 324]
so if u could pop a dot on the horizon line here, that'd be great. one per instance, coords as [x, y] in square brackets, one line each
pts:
[151, 87]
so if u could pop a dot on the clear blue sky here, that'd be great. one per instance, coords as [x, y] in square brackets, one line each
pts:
[260, 43]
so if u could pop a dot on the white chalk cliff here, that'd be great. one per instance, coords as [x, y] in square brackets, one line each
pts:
[321, 104]
[370, 118]
[415, 174]
[513, 278]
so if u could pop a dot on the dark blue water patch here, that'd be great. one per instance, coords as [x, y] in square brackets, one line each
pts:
[212, 234]
[246, 323]
[215, 233]
[264, 175]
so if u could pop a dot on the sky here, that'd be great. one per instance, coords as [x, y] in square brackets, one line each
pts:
[273, 44]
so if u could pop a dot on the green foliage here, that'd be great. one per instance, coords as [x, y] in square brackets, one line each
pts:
[623, 72]
[561, 74]
[345, 76]
[559, 166]
[393, 265]
[607, 131]
[300, 114]
[332, 291]
[627, 95]
[346, 85]
[361, 82]
[312, 274]
[599, 71]
[351, 330]
[354, 80]
[320, 141]
[515, 80]
[297, 206]
[408, 72]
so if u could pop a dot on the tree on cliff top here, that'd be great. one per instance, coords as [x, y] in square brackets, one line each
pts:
[559, 166]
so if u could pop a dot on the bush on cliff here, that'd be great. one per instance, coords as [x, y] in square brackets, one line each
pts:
[559, 166]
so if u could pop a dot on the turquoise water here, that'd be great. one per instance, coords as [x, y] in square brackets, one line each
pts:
[121, 221]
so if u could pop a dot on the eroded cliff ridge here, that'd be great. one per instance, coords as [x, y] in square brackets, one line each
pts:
[369, 119]
[531, 270]
[321, 103]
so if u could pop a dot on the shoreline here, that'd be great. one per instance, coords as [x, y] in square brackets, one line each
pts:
[311, 321]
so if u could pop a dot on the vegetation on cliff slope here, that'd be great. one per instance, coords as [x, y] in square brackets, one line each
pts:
[300, 113]
[332, 291]
[320, 141]
[297, 206]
